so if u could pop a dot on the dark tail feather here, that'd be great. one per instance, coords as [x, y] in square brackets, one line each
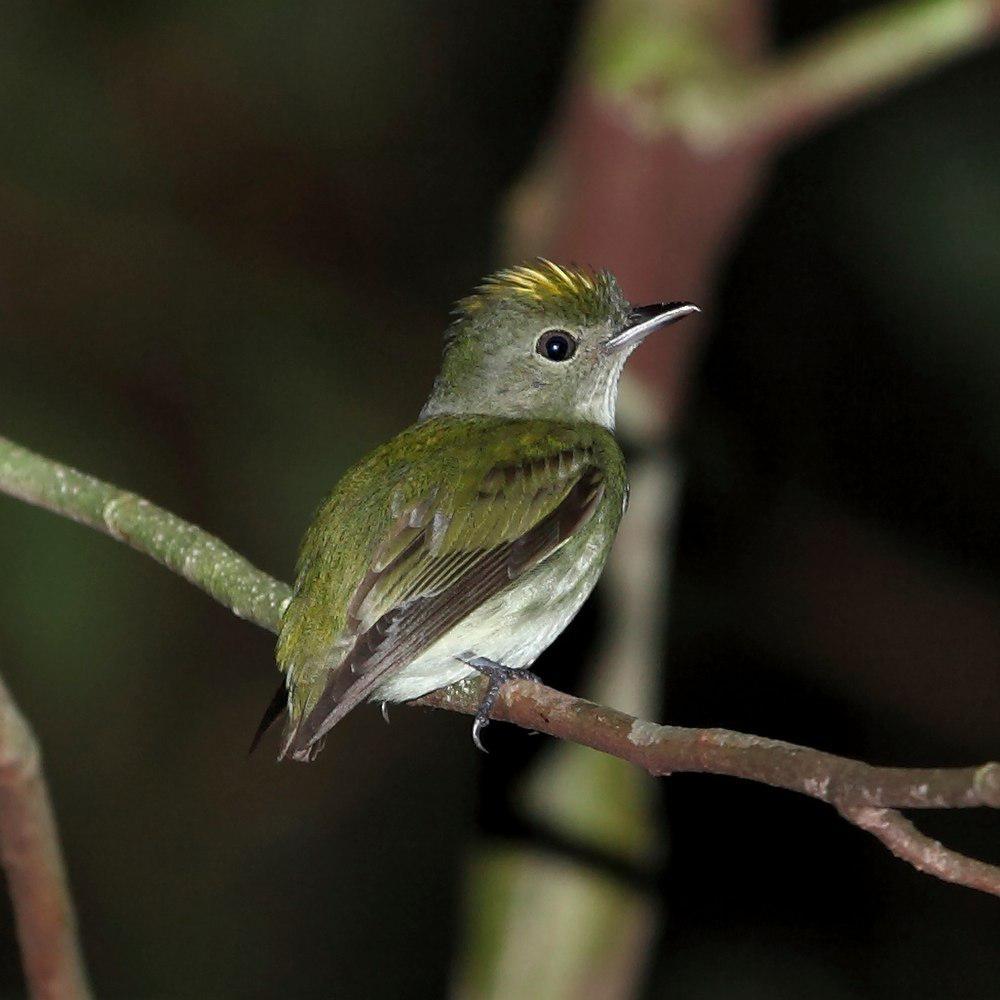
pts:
[278, 704]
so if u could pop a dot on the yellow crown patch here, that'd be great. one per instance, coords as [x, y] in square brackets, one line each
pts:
[544, 283]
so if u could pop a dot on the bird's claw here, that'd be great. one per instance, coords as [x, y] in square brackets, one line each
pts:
[477, 727]
[498, 675]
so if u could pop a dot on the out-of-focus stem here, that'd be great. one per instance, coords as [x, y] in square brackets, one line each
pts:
[597, 929]
[674, 81]
[33, 864]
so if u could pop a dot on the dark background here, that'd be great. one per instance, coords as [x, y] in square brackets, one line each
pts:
[230, 233]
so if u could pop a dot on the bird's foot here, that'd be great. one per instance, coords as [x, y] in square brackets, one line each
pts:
[498, 675]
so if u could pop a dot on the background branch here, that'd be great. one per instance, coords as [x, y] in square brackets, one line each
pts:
[33, 864]
[860, 791]
[718, 102]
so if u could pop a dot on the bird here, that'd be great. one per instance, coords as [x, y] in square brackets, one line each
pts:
[468, 542]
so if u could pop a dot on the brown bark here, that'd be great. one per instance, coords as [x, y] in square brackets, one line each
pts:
[865, 795]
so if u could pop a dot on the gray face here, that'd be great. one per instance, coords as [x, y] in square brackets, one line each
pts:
[559, 359]
[520, 359]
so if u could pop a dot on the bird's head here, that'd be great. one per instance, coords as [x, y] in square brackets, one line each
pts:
[543, 341]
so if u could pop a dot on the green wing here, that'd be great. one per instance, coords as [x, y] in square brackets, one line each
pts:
[439, 539]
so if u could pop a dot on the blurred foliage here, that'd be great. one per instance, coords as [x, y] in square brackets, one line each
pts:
[230, 236]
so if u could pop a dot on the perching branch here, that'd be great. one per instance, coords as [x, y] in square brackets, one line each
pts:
[663, 750]
[33, 865]
[718, 103]
[865, 795]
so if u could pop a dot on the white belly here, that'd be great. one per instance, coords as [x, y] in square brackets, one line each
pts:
[514, 627]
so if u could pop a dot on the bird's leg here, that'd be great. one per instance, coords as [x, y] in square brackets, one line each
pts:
[498, 675]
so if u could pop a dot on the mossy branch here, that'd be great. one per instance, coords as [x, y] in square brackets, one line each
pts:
[866, 796]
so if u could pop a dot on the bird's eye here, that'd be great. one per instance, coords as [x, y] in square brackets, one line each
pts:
[556, 345]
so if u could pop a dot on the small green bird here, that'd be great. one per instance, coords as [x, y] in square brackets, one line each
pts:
[469, 541]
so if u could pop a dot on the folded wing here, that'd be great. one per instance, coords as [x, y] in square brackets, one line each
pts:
[441, 558]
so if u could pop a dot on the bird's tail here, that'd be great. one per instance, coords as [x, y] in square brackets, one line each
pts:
[278, 705]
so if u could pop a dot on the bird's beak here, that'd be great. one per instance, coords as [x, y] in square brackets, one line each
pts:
[643, 320]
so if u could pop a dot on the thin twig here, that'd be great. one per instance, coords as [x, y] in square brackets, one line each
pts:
[851, 786]
[33, 863]
[925, 854]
